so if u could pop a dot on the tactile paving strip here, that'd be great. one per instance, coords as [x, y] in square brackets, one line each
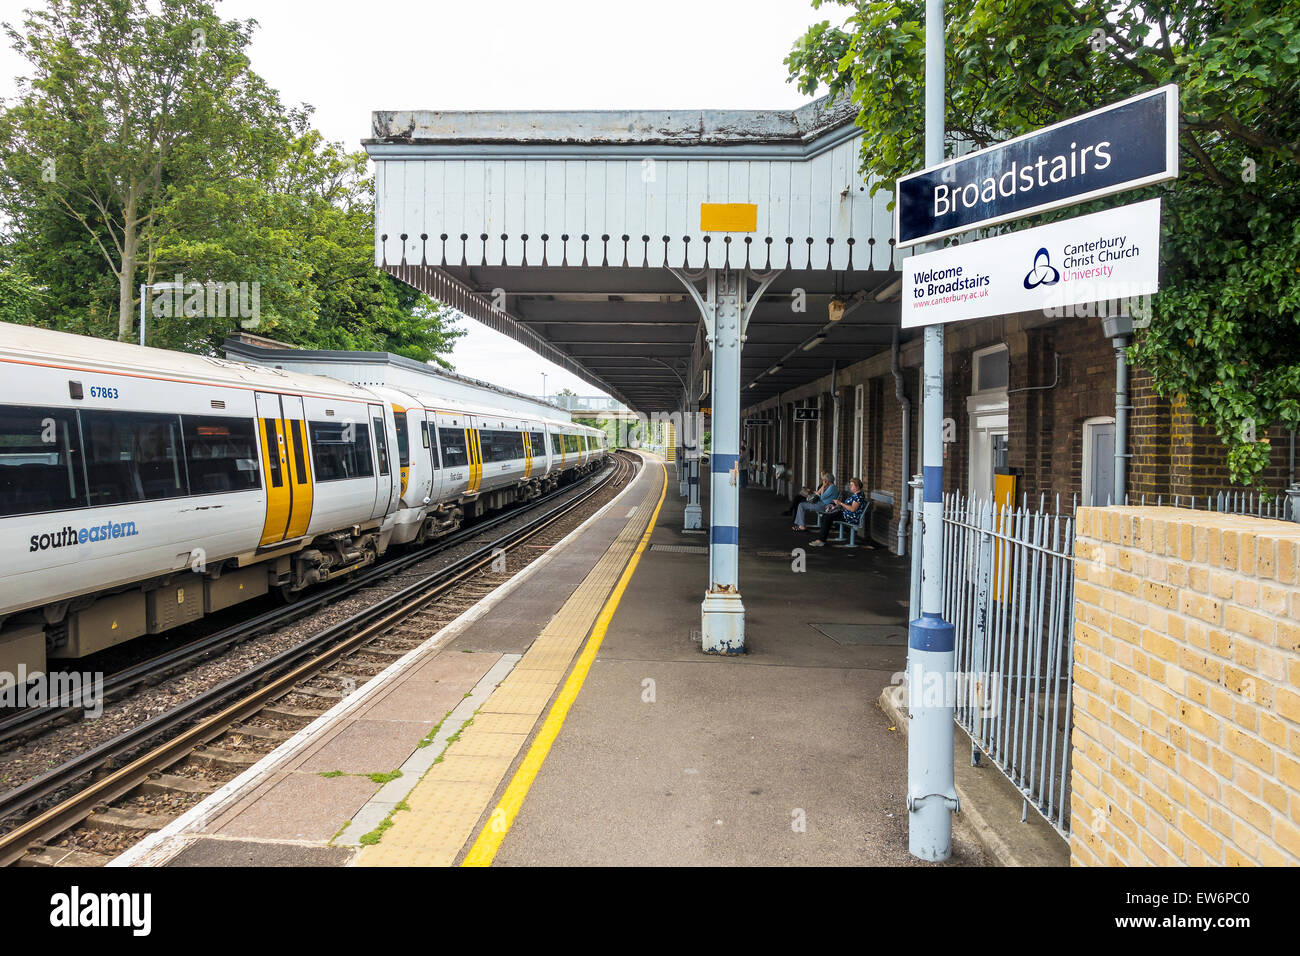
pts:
[447, 803]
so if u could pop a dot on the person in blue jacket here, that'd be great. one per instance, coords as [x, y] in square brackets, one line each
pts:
[818, 502]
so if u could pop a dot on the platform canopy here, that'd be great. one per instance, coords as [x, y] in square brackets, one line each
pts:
[575, 232]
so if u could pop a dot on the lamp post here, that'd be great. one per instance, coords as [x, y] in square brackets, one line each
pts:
[543, 386]
[157, 286]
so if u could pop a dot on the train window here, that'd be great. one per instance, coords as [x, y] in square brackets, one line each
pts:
[340, 450]
[432, 432]
[555, 444]
[269, 432]
[424, 433]
[502, 446]
[220, 454]
[40, 460]
[381, 445]
[452, 441]
[539, 443]
[133, 456]
[299, 451]
[403, 442]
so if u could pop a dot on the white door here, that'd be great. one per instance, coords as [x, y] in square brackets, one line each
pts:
[385, 462]
[429, 446]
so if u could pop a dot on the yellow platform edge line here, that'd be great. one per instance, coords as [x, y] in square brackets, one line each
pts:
[489, 841]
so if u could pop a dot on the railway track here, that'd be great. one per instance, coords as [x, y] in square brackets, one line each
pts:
[34, 720]
[104, 800]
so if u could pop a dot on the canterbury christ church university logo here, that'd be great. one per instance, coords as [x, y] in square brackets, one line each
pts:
[1043, 272]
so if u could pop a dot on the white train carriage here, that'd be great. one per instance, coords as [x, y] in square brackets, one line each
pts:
[141, 489]
[487, 446]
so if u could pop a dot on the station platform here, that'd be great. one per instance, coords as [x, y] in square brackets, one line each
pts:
[571, 719]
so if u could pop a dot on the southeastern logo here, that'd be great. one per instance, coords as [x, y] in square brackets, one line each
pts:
[68, 535]
[1043, 272]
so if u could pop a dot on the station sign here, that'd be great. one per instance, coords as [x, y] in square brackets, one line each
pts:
[1122, 146]
[807, 414]
[1106, 256]
[757, 422]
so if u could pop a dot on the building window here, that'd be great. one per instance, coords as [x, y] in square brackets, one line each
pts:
[990, 369]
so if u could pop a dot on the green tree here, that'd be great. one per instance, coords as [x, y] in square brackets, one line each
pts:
[144, 147]
[19, 296]
[1225, 334]
[122, 104]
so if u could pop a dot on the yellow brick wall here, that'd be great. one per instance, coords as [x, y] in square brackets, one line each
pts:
[1186, 739]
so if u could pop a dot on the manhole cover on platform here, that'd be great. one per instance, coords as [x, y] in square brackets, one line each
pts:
[680, 548]
[880, 634]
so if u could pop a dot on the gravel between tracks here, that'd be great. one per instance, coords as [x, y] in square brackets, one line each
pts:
[27, 759]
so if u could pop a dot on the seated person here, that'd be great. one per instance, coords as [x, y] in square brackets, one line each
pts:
[817, 501]
[850, 511]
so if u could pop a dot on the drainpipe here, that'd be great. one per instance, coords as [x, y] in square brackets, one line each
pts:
[905, 404]
[1118, 329]
[835, 428]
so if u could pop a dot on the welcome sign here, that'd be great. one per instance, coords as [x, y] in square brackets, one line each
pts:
[1104, 256]
[1122, 146]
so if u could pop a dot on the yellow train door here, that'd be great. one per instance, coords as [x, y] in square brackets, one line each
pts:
[528, 455]
[475, 460]
[295, 432]
[275, 468]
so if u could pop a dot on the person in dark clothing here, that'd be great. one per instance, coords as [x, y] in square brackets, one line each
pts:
[851, 511]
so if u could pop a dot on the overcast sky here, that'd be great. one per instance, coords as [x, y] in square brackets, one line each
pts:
[347, 58]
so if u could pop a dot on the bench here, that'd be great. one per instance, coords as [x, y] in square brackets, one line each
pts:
[852, 540]
[848, 542]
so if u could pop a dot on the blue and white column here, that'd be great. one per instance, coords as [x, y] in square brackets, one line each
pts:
[931, 681]
[723, 613]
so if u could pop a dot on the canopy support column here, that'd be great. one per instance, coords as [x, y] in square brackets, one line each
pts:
[725, 306]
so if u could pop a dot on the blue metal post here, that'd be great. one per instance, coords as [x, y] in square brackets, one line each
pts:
[931, 796]
[722, 613]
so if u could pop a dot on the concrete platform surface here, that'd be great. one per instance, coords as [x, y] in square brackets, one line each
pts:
[573, 719]
[670, 756]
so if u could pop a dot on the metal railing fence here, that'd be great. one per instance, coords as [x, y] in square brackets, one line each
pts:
[1009, 594]
[1008, 591]
[1282, 507]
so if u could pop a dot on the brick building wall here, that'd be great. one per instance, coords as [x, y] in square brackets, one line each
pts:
[1060, 374]
[1186, 740]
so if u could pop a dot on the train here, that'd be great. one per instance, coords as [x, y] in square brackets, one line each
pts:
[142, 489]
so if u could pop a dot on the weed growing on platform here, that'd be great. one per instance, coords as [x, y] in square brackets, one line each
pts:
[377, 834]
[428, 738]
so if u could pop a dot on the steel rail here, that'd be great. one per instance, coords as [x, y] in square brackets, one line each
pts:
[34, 719]
[303, 660]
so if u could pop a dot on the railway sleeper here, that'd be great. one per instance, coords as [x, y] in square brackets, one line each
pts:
[260, 732]
[323, 693]
[52, 856]
[165, 783]
[224, 759]
[289, 714]
[124, 821]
